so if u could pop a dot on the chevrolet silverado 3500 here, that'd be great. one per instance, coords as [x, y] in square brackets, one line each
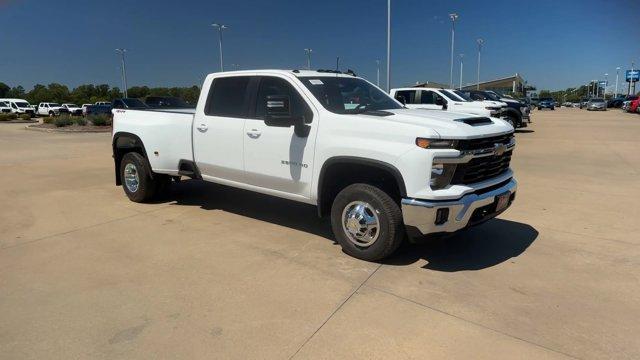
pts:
[379, 170]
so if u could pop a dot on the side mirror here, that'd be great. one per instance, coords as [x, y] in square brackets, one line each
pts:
[401, 99]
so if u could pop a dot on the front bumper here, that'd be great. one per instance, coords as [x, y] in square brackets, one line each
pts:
[469, 210]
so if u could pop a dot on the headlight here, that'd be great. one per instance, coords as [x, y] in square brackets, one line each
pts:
[441, 175]
[436, 143]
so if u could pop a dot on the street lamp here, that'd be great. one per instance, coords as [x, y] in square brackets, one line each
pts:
[461, 65]
[121, 51]
[220, 28]
[388, 45]
[453, 18]
[617, 73]
[480, 43]
[378, 73]
[308, 52]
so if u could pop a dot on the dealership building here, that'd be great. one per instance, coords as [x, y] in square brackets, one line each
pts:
[511, 84]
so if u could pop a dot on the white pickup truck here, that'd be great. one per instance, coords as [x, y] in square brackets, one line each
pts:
[445, 99]
[379, 170]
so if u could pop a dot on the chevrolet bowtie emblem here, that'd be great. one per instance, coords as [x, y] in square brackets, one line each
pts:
[499, 149]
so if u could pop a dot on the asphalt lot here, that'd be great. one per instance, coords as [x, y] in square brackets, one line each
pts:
[214, 272]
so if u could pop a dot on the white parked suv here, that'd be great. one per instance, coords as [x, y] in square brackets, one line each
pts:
[19, 106]
[445, 99]
[5, 108]
[49, 109]
[336, 141]
[72, 109]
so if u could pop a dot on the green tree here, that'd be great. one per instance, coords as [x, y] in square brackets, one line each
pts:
[16, 92]
[4, 89]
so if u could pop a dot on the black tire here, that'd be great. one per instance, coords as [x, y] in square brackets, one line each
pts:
[511, 120]
[553, 108]
[51, 114]
[390, 230]
[539, 108]
[147, 187]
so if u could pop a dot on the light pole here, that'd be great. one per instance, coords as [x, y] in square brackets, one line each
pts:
[220, 28]
[378, 73]
[461, 65]
[617, 73]
[308, 52]
[480, 43]
[388, 45]
[631, 81]
[453, 17]
[121, 51]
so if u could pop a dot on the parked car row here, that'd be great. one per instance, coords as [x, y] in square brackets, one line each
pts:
[21, 106]
[476, 102]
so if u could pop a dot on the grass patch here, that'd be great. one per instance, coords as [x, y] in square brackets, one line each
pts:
[100, 120]
[25, 117]
[7, 117]
[80, 121]
[63, 121]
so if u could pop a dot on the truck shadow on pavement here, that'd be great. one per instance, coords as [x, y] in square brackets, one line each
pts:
[481, 247]
[478, 248]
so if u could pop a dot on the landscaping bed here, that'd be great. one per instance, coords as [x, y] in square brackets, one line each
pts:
[65, 123]
[16, 119]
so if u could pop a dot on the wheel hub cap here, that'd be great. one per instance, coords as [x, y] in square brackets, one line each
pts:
[360, 223]
[131, 177]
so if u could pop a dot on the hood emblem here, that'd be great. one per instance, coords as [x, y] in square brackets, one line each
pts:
[499, 149]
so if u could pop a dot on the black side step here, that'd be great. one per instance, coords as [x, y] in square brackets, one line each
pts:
[188, 168]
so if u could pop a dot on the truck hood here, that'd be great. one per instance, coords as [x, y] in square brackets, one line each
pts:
[447, 124]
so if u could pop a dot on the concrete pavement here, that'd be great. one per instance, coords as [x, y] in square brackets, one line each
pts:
[213, 272]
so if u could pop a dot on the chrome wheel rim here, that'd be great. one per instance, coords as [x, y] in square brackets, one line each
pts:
[360, 223]
[131, 180]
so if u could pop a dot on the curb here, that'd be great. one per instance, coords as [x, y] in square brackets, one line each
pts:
[19, 122]
[67, 131]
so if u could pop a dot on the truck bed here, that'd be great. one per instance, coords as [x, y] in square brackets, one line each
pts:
[166, 134]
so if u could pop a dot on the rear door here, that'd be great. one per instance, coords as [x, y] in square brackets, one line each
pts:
[218, 132]
[276, 159]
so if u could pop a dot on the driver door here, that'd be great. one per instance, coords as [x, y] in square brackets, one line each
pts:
[275, 158]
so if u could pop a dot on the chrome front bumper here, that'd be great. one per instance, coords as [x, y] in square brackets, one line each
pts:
[421, 214]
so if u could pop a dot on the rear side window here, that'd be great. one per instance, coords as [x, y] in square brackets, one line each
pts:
[408, 95]
[227, 97]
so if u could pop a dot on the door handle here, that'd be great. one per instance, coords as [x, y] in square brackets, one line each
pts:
[254, 133]
[202, 127]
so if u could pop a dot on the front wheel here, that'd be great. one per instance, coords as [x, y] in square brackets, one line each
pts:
[366, 222]
[511, 120]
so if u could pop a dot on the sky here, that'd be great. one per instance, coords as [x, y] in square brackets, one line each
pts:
[552, 44]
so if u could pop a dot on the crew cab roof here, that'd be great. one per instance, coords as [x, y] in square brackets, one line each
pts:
[295, 72]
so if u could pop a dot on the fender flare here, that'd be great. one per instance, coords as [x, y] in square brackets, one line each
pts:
[134, 142]
[359, 161]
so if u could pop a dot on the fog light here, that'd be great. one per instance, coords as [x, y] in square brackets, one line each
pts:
[442, 215]
[441, 175]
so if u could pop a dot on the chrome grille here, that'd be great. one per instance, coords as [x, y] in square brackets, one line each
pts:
[482, 168]
[484, 143]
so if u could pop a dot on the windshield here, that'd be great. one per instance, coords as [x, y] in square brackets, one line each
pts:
[462, 95]
[2, 103]
[22, 104]
[597, 100]
[71, 105]
[492, 96]
[343, 95]
[54, 105]
[453, 97]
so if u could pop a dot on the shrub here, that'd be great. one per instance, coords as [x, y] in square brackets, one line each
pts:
[100, 120]
[48, 120]
[7, 117]
[63, 121]
[80, 121]
[25, 117]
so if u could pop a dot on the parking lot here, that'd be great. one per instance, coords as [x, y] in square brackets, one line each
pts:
[214, 272]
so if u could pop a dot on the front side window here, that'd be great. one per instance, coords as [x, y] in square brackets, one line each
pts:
[227, 97]
[428, 97]
[347, 95]
[270, 86]
[451, 96]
